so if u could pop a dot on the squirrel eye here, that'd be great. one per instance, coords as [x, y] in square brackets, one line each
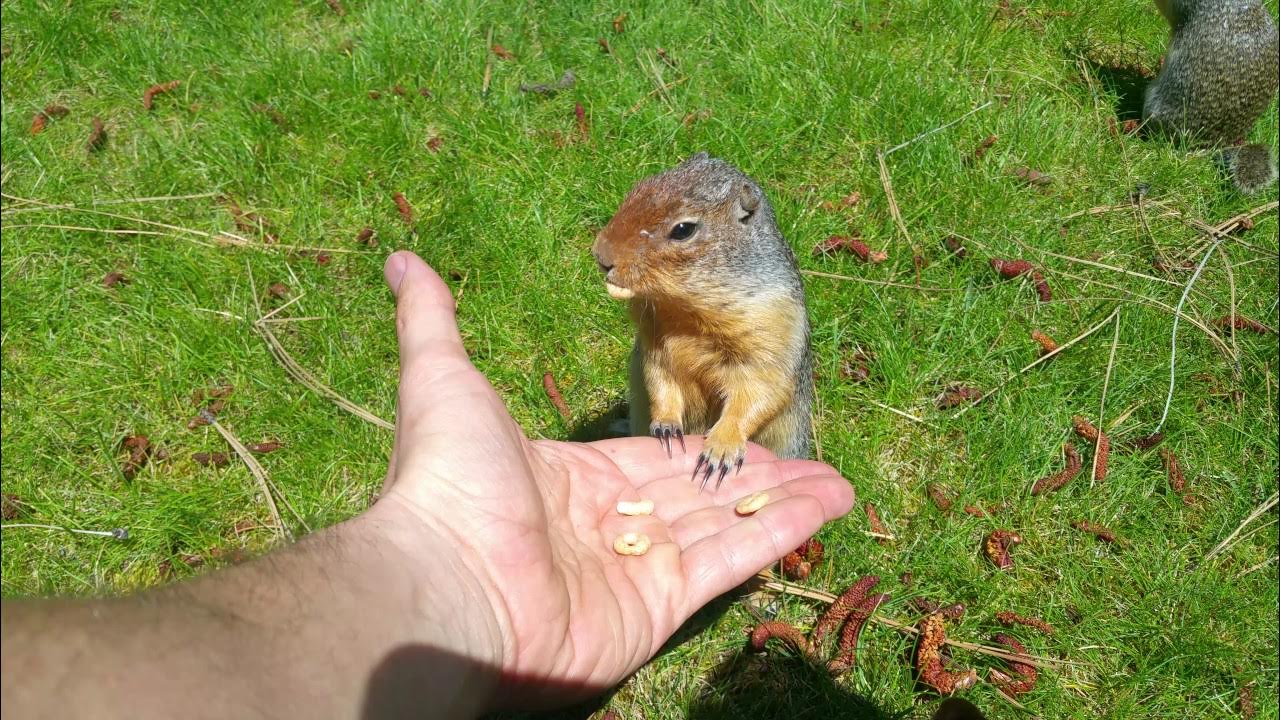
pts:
[683, 231]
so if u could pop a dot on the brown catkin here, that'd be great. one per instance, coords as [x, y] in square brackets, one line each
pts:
[929, 667]
[1053, 482]
[996, 545]
[1176, 479]
[847, 648]
[788, 634]
[1010, 269]
[1008, 619]
[149, 95]
[1047, 343]
[839, 609]
[1026, 674]
[1102, 454]
[1101, 532]
[877, 527]
[939, 497]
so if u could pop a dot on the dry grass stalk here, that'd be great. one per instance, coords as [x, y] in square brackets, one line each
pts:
[301, 374]
[256, 470]
[1043, 358]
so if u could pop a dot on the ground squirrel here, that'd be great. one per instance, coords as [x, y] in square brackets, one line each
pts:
[722, 333]
[1220, 73]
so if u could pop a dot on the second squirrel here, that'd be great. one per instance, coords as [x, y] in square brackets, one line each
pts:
[1220, 73]
[722, 333]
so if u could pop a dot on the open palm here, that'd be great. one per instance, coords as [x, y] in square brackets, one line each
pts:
[536, 520]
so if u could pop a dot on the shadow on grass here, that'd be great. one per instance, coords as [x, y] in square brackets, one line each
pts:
[774, 685]
[603, 426]
[1127, 84]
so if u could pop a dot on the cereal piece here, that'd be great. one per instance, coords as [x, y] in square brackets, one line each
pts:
[1055, 481]
[751, 503]
[635, 507]
[631, 544]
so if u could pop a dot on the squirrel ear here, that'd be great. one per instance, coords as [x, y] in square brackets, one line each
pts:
[746, 202]
[700, 157]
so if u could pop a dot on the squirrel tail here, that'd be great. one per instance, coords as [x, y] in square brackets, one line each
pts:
[1250, 167]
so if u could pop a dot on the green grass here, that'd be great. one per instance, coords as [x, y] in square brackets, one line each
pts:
[801, 95]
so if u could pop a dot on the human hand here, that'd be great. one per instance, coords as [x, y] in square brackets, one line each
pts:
[533, 522]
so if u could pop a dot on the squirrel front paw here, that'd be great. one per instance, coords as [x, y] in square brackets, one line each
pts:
[716, 458]
[664, 431]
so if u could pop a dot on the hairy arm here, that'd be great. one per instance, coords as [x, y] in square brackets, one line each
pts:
[338, 625]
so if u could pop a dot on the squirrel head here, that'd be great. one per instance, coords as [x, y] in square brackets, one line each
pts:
[671, 222]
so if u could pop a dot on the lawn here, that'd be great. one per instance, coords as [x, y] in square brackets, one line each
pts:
[310, 121]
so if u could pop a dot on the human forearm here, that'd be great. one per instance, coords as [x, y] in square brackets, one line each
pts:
[338, 625]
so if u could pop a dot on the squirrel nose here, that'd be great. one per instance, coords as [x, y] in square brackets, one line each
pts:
[602, 259]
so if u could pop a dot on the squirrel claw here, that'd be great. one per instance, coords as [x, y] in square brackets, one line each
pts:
[710, 465]
[664, 432]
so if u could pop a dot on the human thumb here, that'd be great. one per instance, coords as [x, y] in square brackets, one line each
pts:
[425, 312]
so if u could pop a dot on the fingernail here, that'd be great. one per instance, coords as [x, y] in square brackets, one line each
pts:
[393, 271]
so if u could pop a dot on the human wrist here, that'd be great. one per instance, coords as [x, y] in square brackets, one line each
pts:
[441, 601]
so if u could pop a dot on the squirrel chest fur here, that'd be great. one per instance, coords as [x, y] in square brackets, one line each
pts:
[722, 333]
